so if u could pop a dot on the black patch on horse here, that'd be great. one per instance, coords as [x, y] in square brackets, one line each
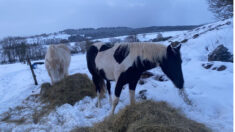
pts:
[133, 73]
[108, 85]
[102, 74]
[106, 46]
[143, 65]
[121, 53]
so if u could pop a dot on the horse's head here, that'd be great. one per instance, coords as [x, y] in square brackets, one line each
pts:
[171, 65]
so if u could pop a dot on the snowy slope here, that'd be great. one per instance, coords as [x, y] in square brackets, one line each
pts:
[211, 91]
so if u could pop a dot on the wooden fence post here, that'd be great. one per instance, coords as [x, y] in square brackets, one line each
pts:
[31, 67]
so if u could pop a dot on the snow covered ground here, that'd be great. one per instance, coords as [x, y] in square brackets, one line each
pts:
[211, 91]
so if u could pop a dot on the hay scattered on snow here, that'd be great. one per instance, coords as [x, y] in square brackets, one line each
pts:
[148, 116]
[70, 90]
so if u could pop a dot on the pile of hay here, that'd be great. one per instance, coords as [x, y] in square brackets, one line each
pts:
[148, 116]
[70, 90]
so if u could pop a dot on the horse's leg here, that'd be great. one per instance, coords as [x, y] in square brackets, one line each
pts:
[66, 73]
[118, 89]
[185, 97]
[109, 91]
[132, 86]
[96, 80]
[52, 81]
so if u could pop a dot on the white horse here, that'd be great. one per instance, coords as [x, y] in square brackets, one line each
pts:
[57, 62]
[125, 62]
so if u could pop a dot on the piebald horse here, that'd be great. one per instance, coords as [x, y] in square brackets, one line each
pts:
[125, 62]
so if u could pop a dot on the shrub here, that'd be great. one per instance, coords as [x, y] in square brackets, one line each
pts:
[161, 38]
[131, 38]
[114, 40]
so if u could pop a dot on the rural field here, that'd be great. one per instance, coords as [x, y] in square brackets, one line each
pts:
[209, 88]
[116, 66]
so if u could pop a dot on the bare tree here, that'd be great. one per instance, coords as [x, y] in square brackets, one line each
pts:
[222, 9]
[114, 40]
[131, 38]
[14, 50]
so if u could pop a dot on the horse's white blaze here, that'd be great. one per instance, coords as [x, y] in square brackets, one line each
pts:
[57, 62]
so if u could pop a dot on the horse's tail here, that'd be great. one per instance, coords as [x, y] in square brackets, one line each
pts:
[97, 79]
[102, 87]
[90, 57]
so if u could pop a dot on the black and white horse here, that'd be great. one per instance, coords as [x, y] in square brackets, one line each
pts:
[125, 62]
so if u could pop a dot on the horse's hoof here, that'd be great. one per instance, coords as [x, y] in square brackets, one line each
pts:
[98, 105]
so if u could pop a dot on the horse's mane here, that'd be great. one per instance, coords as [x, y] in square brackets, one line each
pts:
[145, 50]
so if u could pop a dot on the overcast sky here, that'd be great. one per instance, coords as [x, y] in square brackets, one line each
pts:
[29, 17]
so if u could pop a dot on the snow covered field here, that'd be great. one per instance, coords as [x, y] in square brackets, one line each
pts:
[211, 91]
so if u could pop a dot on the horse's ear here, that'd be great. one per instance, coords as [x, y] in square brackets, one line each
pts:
[178, 47]
[170, 49]
[175, 46]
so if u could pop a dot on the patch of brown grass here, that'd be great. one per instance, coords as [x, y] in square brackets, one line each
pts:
[70, 90]
[148, 116]
[81, 129]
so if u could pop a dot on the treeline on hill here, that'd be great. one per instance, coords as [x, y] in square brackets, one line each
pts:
[84, 34]
[107, 32]
[17, 49]
[14, 50]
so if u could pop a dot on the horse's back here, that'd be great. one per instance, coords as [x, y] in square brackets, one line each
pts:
[59, 53]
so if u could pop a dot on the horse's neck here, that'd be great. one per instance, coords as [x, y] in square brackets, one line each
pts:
[144, 65]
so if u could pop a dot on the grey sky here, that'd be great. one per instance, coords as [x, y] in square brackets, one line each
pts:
[28, 17]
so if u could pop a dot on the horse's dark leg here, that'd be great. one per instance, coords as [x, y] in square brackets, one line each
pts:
[132, 86]
[108, 85]
[98, 81]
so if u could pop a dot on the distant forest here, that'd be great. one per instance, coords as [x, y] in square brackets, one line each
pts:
[79, 35]
[14, 49]
[108, 32]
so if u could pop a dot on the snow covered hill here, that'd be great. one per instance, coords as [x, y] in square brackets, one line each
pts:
[211, 91]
